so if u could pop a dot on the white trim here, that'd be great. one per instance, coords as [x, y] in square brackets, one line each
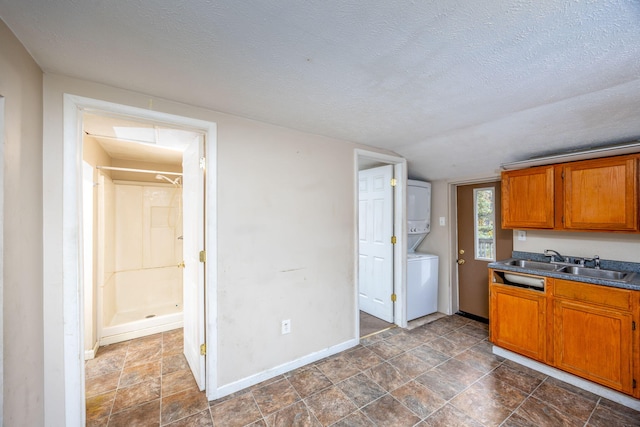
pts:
[284, 368]
[2, 130]
[400, 230]
[71, 241]
[91, 354]
[454, 300]
[594, 388]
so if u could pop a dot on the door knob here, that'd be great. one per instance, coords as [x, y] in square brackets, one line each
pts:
[460, 261]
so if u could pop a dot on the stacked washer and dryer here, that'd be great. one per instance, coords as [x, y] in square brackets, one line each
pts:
[422, 269]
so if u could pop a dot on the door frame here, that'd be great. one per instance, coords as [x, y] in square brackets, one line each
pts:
[400, 230]
[454, 299]
[72, 304]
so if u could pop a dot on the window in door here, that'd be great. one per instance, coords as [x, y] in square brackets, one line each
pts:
[484, 223]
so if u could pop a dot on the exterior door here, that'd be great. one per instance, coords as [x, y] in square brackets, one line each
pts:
[481, 240]
[375, 229]
[193, 243]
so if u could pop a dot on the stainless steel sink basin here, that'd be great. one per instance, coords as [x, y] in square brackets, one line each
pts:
[600, 274]
[534, 265]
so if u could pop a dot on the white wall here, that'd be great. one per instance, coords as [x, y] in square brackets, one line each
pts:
[22, 318]
[612, 246]
[286, 238]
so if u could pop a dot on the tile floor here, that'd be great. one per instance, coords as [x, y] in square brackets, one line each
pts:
[439, 374]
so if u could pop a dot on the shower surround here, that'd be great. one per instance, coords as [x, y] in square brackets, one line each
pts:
[141, 254]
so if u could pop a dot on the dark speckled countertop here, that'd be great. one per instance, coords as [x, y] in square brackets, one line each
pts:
[632, 267]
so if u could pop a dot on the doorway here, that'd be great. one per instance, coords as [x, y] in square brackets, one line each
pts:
[481, 240]
[395, 224]
[71, 236]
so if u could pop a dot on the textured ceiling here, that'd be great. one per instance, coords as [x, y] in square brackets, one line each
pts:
[457, 87]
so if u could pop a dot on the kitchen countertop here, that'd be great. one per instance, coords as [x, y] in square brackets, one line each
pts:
[633, 284]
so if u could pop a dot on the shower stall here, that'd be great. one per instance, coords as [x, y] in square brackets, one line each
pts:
[139, 256]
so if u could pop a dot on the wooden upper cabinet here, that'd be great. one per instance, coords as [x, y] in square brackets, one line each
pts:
[601, 194]
[528, 198]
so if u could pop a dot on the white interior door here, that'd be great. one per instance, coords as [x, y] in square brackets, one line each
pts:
[375, 228]
[193, 243]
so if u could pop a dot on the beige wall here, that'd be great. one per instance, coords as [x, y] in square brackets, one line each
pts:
[286, 238]
[22, 319]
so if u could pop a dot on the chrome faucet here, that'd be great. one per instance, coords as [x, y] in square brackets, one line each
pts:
[553, 254]
[596, 262]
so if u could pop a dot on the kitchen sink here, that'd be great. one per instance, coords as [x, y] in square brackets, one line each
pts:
[534, 265]
[597, 273]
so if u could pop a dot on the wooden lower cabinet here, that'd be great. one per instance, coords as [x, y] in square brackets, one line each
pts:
[594, 343]
[518, 320]
[587, 330]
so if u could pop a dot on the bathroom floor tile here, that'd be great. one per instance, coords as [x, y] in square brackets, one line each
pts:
[239, 411]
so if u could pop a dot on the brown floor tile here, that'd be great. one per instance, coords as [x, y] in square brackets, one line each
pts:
[616, 407]
[337, 368]
[178, 381]
[485, 347]
[409, 365]
[387, 376]
[404, 341]
[447, 347]
[371, 339]
[201, 419]
[236, 412]
[385, 350]
[541, 414]
[173, 362]
[136, 395]
[516, 420]
[309, 381]
[101, 422]
[419, 399]
[429, 355]
[139, 355]
[294, 415]
[388, 412]
[356, 419]
[181, 405]
[363, 358]
[145, 342]
[144, 415]
[273, 397]
[476, 330]
[607, 417]
[330, 405]
[448, 416]
[101, 384]
[561, 398]
[441, 326]
[518, 376]
[139, 373]
[100, 406]
[423, 334]
[479, 360]
[361, 390]
[476, 402]
[105, 364]
[259, 423]
[450, 378]
[460, 338]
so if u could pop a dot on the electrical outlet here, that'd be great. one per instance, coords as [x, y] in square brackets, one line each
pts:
[522, 235]
[442, 221]
[286, 326]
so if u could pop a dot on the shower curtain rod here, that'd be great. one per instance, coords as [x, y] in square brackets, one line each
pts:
[112, 168]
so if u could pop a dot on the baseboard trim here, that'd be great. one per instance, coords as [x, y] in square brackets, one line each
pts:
[594, 388]
[91, 354]
[249, 381]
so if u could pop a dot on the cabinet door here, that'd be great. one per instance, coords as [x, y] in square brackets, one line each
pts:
[601, 194]
[594, 343]
[517, 320]
[528, 198]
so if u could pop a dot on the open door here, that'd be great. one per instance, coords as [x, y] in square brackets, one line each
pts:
[375, 229]
[193, 190]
